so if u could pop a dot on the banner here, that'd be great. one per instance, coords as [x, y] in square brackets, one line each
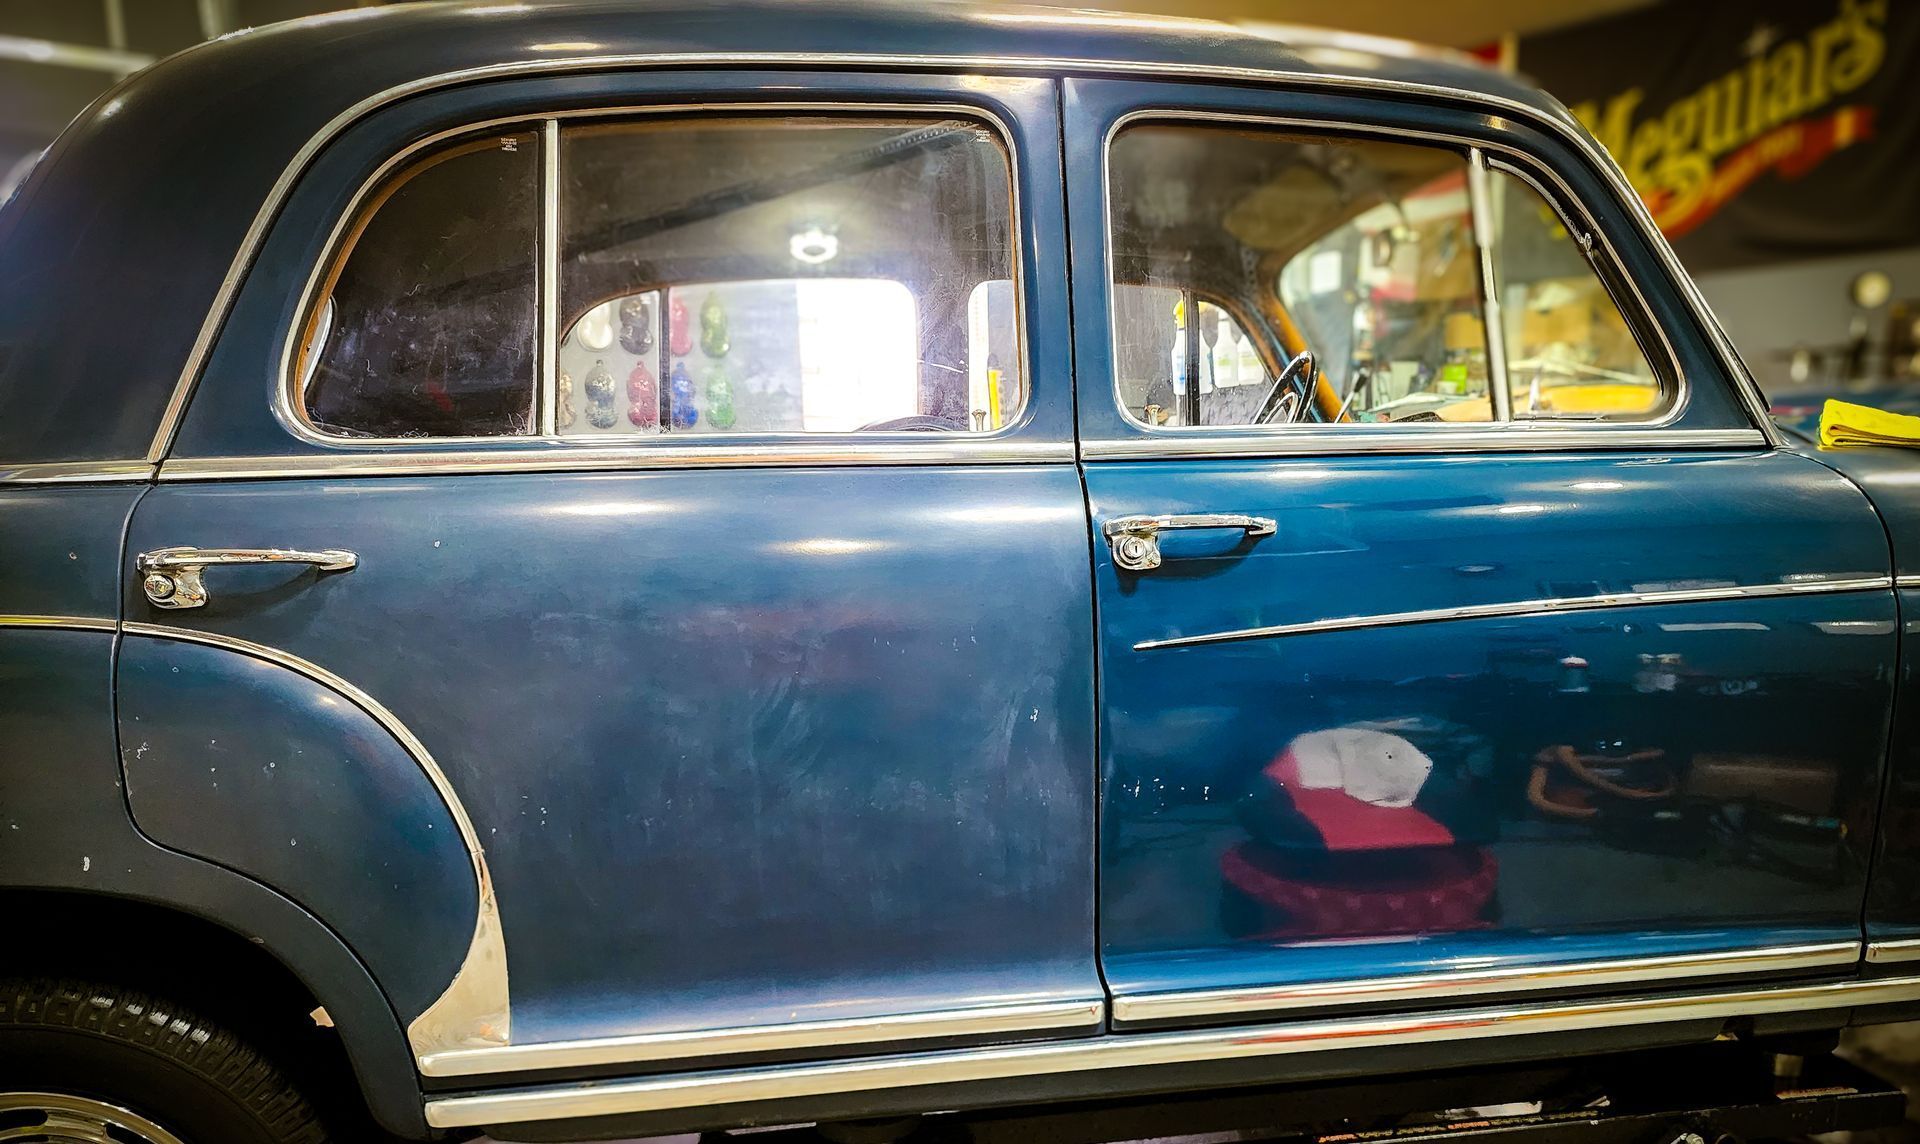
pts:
[1757, 131]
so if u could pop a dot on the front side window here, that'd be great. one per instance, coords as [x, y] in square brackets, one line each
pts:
[1369, 256]
[711, 275]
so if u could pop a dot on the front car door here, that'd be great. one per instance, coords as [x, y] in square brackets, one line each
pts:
[1494, 649]
[684, 651]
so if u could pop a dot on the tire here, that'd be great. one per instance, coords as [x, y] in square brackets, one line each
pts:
[84, 1055]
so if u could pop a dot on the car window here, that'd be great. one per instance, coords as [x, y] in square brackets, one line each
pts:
[428, 326]
[1366, 254]
[792, 275]
[711, 275]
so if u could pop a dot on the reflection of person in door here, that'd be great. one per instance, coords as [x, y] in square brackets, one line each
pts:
[1349, 838]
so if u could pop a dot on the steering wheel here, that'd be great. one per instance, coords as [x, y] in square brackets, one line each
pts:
[1291, 392]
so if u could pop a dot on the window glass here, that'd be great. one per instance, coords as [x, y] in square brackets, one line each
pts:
[794, 275]
[427, 327]
[1365, 254]
[1570, 353]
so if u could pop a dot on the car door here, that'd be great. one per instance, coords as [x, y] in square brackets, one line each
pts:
[1495, 648]
[623, 566]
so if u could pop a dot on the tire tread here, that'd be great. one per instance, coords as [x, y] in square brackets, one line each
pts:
[177, 1033]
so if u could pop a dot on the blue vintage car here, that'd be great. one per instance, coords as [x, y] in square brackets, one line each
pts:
[593, 569]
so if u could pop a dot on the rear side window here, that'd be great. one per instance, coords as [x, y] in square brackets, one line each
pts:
[428, 327]
[1428, 287]
[786, 274]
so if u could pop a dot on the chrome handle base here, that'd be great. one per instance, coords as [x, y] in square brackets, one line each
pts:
[171, 577]
[1135, 540]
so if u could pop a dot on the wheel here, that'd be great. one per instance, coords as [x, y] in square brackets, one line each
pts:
[88, 1063]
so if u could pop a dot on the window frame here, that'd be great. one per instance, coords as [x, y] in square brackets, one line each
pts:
[1481, 157]
[288, 402]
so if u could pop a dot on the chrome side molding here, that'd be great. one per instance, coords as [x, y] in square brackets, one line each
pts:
[1826, 583]
[1897, 950]
[984, 1021]
[1437, 987]
[76, 472]
[1005, 1062]
[60, 623]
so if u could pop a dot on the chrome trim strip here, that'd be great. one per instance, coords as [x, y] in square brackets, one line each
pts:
[68, 623]
[1561, 124]
[1438, 987]
[1906, 581]
[1480, 207]
[76, 472]
[1514, 437]
[548, 287]
[574, 459]
[289, 405]
[1529, 608]
[474, 1010]
[1896, 950]
[990, 1021]
[782, 1082]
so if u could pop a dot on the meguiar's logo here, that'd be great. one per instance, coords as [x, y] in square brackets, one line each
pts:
[1775, 113]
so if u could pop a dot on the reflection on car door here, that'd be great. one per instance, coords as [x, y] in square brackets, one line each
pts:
[1396, 709]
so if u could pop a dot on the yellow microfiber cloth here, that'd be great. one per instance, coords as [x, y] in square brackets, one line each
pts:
[1843, 423]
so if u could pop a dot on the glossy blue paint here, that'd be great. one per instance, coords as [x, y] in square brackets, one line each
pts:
[1890, 479]
[262, 770]
[743, 746]
[62, 548]
[1093, 107]
[1748, 829]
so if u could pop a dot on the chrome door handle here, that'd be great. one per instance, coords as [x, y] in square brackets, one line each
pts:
[171, 576]
[1135, 540]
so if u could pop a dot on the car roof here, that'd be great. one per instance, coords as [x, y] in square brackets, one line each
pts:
[145, 208]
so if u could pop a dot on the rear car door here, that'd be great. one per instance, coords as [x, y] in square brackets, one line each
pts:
[1496, 650]
[623, 567]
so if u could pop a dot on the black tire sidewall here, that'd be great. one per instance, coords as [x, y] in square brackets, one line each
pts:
[77, 1063]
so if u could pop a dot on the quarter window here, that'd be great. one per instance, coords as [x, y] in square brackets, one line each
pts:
[426, 327]
[1371, 256]
[712, 275]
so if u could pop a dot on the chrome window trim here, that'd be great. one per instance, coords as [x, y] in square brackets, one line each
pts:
[289, 405]
[1253, 1001]
[1480, 207]
[474, 1010]
[1562, 125]
[76, 472]
[64, 623]
[1518, 437]
[983, 1021]
[1831, 583]
[1054, 1058]
[1894, 950]
[586, 459]
[1449, 437]
[547, 295]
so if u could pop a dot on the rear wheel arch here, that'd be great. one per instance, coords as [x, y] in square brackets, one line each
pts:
[232, 977]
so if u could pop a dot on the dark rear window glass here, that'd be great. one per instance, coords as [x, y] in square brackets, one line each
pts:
[430, 328]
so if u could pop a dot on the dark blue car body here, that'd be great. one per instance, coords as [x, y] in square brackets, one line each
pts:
[668, 786]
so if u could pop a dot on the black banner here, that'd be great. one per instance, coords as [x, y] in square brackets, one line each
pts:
[1757, 131]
